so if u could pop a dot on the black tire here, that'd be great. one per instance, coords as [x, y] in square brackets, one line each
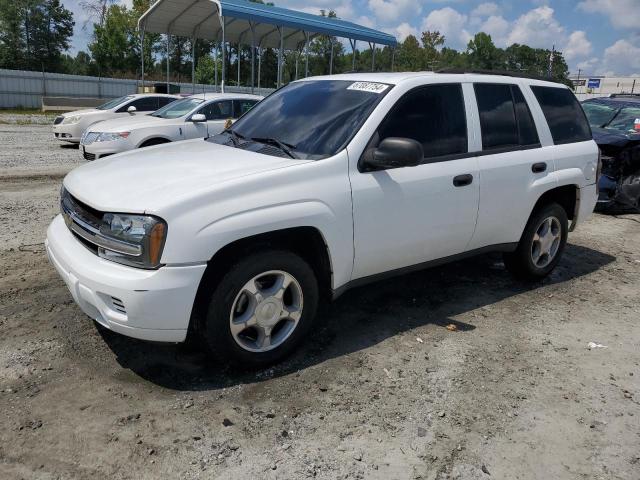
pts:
[215, 329]
[520, 262]
[154, 141]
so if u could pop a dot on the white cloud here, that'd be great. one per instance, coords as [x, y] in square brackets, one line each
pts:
[485, 10]
[498, 28]
[623, 57]
[450, 23]
[389, 11]
[578, 46]
[403, 30]
[536, 28]
[621, 13]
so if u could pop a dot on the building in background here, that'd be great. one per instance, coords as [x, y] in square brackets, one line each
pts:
[599, 86]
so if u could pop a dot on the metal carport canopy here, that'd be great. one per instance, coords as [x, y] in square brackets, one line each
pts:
[202, 19]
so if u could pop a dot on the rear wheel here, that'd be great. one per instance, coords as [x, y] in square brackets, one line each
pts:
[261, 310]
[541, 244]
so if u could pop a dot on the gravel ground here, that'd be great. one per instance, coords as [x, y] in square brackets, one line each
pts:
[383, 389]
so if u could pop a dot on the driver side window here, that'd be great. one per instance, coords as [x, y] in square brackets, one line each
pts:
[217, 110]
[434, 116]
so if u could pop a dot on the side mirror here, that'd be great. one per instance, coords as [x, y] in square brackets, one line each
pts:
[132, 109]
[394, 152]
[198, 118]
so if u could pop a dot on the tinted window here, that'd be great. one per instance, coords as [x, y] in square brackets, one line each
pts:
[217, 110]
[434, 116]
[114, 103]
[242, 106]
[316, 117]
[564, 115]
[178, 108]
[497, 116]
[162, 101]
[526, 128]
[144, 104]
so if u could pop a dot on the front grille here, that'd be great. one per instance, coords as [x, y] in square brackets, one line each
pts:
[89, 137]
[58, 120]
[88, 156]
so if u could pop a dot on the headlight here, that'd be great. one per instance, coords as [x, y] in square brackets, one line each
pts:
[111, 136]
[71, 119]
[135, 240]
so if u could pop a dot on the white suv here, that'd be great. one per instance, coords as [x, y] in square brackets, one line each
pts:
[328, 183]
[69, 126]
[197, 116]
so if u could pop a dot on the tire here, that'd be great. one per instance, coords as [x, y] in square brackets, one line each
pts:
[154, 141]
[529, 262]
[245, 345]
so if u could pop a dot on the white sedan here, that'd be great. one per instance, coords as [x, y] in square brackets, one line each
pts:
[69, 127]
[197, 116]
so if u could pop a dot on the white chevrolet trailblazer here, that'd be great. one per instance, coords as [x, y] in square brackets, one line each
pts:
[328, 183]
[69, 126]
[197, 116]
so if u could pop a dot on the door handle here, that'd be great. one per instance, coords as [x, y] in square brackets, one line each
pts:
[539, 167]
[462, 180]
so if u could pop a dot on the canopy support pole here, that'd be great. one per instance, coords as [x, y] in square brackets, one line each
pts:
[306, 54]
[215, 65]
[373, 55]
[331, 57]
[168, 40]
[238, 60]
[280, 51]
[253, 55]
[224, 54]
[193, 64]
[393, 57]
[259, 65]
[353, 54]
[142, 57]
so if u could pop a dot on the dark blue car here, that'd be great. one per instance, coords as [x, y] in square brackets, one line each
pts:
[615, 122]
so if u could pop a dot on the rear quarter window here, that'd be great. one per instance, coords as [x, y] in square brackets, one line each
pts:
[565, 117]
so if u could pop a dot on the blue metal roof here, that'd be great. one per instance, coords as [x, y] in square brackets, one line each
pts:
[304, 21]
[201, 18]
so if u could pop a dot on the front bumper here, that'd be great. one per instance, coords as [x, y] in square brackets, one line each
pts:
[96, 150]
[67, 133]
[146, 304]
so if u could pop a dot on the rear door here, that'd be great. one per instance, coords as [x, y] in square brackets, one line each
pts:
[515, 168]
[407, 216]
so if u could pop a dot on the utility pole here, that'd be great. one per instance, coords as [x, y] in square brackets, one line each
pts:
[553, 51]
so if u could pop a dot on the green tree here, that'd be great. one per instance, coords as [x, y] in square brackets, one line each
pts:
[483, 54]
[410, 55]
[431, 43]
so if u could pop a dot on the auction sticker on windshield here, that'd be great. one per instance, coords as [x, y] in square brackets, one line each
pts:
[372, 87]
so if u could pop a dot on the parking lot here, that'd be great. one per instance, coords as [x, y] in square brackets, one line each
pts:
[458, 372]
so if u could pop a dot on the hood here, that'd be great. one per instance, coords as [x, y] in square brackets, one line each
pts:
[83, 113]
[603, 136]
[126, 123]
[153, 178]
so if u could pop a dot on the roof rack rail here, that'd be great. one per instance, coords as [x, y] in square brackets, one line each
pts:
[624, 95]
[504, 73]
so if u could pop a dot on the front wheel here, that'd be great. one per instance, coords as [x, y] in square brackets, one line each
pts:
[262, 309]
[541, 244]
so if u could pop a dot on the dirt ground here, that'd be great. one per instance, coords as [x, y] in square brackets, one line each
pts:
[382, 390]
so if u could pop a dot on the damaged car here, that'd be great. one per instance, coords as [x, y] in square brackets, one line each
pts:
[615, 122]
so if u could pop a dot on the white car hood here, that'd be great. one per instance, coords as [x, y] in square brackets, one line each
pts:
[127, 123]
[84, 112]
[155, 178]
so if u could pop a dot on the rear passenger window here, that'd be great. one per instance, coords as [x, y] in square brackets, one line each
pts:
[162, 101]
[526, 128]
[564, 114]
[434, 116]
[142, 104]
[242, 106]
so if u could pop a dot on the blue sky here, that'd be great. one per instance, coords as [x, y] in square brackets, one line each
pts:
[598, 36]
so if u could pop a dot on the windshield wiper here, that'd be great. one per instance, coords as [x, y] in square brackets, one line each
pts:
[235, 137]
[285, 147]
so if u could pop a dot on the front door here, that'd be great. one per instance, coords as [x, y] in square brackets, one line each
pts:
[406, 216]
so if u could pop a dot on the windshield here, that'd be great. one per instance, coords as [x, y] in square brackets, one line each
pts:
[626, 121]
[178, 108]
[115, 102]
[313, 119]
